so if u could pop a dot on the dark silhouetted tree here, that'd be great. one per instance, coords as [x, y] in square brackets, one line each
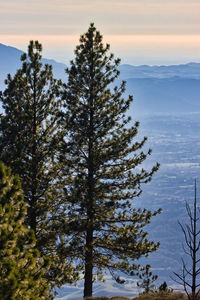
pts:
[104, 163]
[147, 280]
[29, 141]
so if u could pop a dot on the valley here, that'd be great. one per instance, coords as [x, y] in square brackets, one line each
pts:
[175, 143]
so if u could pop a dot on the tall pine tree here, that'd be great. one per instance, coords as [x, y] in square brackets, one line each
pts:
[21, 268]
[104, 163]
[29, 141]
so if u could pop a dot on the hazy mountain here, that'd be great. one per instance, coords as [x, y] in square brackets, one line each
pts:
[156, 89]
[169, 95]
[190, 70]
[10, 62]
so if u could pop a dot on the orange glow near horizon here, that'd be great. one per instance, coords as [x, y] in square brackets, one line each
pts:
[60, 47]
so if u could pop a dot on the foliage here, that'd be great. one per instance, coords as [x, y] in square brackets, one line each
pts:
[164, 288]
[21, 268]
[103, 172]
[147, 280]
[29, 141]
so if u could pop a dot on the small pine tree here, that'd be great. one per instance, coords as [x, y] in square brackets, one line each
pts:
[21, 268]
[147, 283]
[102, 166]
[164, 288]
[29, 141]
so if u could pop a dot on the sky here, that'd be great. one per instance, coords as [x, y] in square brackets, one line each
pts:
[154, 32]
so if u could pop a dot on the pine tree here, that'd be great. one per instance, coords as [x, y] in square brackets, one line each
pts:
[147, 283]
[104, 165]
[29, 141]
[21, 268]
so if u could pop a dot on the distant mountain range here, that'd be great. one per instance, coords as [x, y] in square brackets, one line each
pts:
[156, 89]
[10, 62]
[190, 70]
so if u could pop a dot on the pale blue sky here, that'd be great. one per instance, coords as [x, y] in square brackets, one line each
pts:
[139, 31]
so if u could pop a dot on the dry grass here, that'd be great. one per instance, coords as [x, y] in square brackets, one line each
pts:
[106, 298]
[162, 296]
[119, 298]
[151, 296]
[97, 298]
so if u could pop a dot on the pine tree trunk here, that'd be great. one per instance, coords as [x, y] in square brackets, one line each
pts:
[88, 264]
[90, 209]
[194, 250]
[32, 217]
[33, 220]
[89, 234]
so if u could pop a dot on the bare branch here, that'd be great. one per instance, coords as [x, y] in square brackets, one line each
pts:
[189, 276]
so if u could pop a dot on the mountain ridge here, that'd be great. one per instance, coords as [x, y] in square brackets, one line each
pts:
[10, 62]
[155, 89]
[187, 70]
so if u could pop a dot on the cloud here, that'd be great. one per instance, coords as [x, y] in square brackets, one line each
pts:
[111, 16]
[144, 30]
